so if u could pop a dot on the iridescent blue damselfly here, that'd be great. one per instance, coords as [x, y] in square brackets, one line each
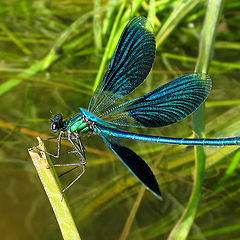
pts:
[107, 116]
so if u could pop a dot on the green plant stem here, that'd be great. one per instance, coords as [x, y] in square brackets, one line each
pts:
[97, 29]
[109, 45]
[51, 184]
[206, 48]
[181, 9]
[218, 64]
[152, 12]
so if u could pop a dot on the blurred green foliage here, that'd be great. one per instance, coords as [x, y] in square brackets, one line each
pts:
[52, 53]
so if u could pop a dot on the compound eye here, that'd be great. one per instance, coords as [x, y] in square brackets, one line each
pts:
[58, 117]
[56, 123]
[54, 127]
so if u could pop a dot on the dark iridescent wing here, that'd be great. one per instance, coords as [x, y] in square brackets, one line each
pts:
[133, 162]
[130, 65]
[165, 105]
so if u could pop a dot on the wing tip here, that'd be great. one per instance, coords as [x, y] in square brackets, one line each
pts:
[159, 196]
[137, 166]
[156, 192]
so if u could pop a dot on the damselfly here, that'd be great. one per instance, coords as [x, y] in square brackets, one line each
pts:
[107, 116]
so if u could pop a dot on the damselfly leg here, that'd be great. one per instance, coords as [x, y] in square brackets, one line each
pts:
[75, 140]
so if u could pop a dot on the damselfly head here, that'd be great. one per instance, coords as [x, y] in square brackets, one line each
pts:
[57, 123]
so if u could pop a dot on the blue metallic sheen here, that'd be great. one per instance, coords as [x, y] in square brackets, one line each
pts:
[167, 140]
[107, 116]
